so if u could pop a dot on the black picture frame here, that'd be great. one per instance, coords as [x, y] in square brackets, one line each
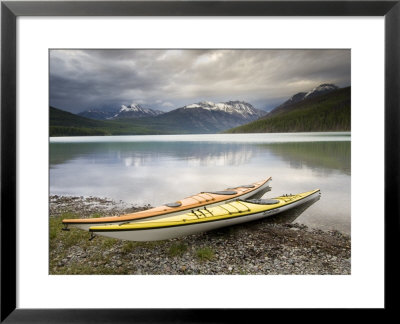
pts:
[10, 10]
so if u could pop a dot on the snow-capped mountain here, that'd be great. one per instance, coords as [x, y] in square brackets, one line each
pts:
[298, 97]
[239, 108]
[135, 111]
[124, 111]
[321, 89]
[210, 117]
[201, 117]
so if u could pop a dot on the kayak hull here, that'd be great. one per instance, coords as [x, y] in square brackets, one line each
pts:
[163, 233]
[85, 224]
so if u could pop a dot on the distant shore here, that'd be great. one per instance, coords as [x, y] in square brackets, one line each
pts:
[253, 248]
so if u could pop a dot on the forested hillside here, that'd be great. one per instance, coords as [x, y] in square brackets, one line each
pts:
[328, 112]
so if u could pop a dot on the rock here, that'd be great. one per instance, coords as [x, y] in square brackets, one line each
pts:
[252, 248]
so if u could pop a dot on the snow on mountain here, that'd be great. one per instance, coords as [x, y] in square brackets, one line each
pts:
[209, 117]
[298, 97]
[131, 107]
[321, 89]
[135, 111]
[242, 108]
[124, 111]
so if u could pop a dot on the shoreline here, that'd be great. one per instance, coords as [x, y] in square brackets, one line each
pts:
[256, 248]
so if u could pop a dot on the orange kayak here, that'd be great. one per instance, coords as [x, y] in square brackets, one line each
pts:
[182, 206]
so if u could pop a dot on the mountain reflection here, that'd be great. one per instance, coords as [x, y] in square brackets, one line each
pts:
[325, 156]
[140, 154]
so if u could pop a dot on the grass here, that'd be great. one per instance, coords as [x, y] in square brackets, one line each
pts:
[149, 244]
[61, 242]
[205, 254]
[69, 215]
[71, 252]
[87, 269]
[55, 226]
[177, 249]
[128, 247]
[107, 243]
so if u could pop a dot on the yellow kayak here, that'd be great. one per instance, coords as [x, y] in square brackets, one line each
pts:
[203, 219]
[184, 205]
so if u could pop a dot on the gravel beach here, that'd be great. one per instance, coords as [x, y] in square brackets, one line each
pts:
[271, 246]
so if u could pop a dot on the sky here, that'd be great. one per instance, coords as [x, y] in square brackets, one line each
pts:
[170, 79]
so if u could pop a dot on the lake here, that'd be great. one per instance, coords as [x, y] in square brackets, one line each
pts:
[156, 169]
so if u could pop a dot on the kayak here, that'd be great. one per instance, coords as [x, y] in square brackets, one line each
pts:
[204, 219]
[203, 199]
[211, 198]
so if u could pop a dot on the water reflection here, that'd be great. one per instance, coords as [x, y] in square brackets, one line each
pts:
[146, 172]
[140, 154]
[326, 156]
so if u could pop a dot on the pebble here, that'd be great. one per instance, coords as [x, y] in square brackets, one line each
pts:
[252, 248]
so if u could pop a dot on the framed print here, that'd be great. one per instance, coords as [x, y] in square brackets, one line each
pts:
[216, 101]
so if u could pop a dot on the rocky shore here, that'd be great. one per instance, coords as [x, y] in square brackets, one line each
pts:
[271, 246]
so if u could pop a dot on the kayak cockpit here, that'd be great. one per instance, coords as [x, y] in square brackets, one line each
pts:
[174, 204]
[262, 201]
[224, 192]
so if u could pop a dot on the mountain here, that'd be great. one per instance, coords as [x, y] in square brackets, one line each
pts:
[209, 117]
[199, 118]
[61, 118]
[99, 113]
[320, 90]
[135, 111]
[238, 108]
[317, 91]
[325, 108]
[295, 98]
[63, 123]
[130, 111]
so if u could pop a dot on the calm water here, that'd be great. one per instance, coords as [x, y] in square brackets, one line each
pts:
[159, 169]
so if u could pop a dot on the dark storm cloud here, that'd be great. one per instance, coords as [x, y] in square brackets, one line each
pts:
[166, 79]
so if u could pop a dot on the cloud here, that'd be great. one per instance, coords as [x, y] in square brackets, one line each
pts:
[165, 79]
[167, 104]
